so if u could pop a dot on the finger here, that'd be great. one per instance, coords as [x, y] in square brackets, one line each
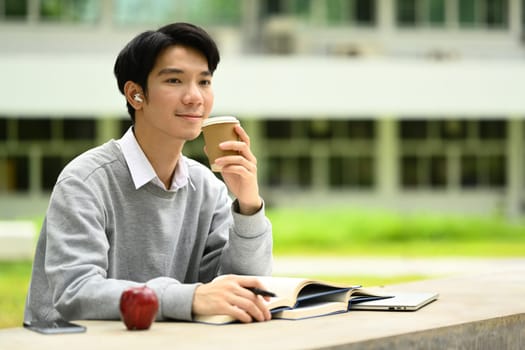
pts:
[239, 314]
[240, 147]
[247, 284]
[243, 135]
[237, 160]
[239, 167]
[252, 306]
[236, 164]
[243, 298]
[261, 304]
[259, 301]
[249, 281]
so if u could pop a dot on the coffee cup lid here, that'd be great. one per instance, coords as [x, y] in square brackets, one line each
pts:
[219, 120]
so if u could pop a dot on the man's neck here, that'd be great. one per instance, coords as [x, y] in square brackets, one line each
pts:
[162, 152]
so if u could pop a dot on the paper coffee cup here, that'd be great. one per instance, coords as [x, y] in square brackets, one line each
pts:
[215, 131]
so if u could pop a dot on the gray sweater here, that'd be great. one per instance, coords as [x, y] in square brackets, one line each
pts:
[101, 236]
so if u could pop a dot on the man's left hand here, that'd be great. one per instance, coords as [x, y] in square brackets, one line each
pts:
[240, 172]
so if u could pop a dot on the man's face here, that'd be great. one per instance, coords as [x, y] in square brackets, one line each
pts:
[179, 94]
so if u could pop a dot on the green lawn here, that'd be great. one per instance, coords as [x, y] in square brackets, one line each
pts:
[352, 232]
[14, 279]
[342, 233]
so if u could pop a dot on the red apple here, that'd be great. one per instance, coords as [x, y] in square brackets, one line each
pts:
[138, 307]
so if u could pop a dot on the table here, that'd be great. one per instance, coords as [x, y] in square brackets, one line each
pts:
[482, 311]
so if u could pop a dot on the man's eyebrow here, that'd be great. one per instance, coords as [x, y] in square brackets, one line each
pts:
[164, 71]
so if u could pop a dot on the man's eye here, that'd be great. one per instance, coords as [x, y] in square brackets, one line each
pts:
[205, 82]
[173, 81]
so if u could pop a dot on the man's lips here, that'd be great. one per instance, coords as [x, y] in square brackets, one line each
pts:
[189, 116]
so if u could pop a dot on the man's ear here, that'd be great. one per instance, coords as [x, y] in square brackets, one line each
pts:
[134, 94]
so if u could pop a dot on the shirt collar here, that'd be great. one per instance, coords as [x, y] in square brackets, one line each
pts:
[141, 169]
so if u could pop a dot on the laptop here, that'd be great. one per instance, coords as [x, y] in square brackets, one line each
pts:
[398, 302]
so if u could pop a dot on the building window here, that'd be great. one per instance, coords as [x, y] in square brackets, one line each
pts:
[483, 171]
[81, 11]
[410, 13]
[469, 171]
[51, 168]
[79, 129]
[319, 129]
[406, 12]
[413, 130]
[213, 12]
[365, 11]
[13, 9]
[483, 13]
[453, 129]
[299, 8]
[492, 130]
[42, 145]
[139, 12]
[340, 153]
[125, 123]
[3, 130]
[359, 12]
[335, 12]
[361, 129]
[409, 172]
[438, 171]
[435, 12]
[77, 11]
[278, 129]
[17, 174]
[424, 171]
[273, 7]
[470, 13]
[474, 151]
[202, 12]
[290, 172]
[348, 129]
[353, 172]
[496, 170]
[34, 129]
[522, 20]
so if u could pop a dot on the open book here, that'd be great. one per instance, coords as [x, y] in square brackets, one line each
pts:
[299, 298]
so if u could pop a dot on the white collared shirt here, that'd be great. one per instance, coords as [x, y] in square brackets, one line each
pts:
[141, 169]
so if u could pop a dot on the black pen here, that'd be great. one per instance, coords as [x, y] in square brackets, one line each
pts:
[259, 291]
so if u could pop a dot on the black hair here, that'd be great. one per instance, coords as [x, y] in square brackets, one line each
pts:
[138, 57]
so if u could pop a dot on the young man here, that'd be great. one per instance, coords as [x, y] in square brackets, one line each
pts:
[136, 211]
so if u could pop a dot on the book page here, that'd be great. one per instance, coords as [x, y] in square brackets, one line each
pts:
[312, 310]
[315, 297]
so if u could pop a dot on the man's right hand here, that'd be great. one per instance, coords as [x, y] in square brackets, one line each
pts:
[227, 295]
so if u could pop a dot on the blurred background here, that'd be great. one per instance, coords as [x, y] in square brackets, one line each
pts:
[389, 133]
[403, 105]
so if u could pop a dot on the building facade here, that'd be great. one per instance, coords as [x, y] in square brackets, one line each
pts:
[413, 105]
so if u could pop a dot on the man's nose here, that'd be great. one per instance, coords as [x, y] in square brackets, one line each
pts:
[192, 95]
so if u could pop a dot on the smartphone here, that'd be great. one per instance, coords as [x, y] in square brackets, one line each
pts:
[54, 327]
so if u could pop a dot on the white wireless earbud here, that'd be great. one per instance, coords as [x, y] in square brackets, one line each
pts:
[137, 98]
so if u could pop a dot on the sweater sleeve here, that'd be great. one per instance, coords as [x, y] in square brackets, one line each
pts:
[249, 247]
[77, 257]
[237, 244]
